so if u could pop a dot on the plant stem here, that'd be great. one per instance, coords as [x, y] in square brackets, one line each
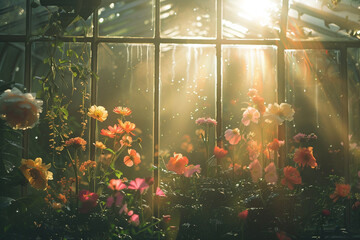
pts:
[76, 178]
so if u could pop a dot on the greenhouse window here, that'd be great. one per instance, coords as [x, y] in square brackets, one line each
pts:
[164, 119]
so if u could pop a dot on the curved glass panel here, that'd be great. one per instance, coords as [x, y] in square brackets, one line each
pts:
[12, 17]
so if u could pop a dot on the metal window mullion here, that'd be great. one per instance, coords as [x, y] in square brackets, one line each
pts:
[156, 124]
[93, 80]
[219, 106]
[345, 121]
[281, 74]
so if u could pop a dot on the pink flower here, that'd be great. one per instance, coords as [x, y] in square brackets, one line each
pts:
[123, 209]
[134, 219]
[233, 136]
[252, 92]
[211, 121]
[201, 121]
[255, 170]
[88, 200]
[116, 185]
[138, 184]
[166, 218]
[270, 174]
[159, 192]
[253, 149]
[250, 115]
[119, 198]
[191, 169]
[110, 201]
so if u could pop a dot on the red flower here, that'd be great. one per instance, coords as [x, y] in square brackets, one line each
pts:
[282, 236]
[88, 200]
[220, 152]
[275, 144]
[325, 212]
[243, 215]
[166, 218]
[291, 177]
[76, 142]
[177, 163]
[304, 157]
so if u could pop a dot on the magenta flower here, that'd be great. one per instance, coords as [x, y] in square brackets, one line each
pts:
[159, 192]
[250, 115]
[116, 185]
[191, 169]
[138, 184]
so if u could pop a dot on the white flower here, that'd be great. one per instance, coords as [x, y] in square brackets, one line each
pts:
[279, 113]
[20, 110]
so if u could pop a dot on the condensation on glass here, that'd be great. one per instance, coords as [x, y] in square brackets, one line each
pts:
[127, 19]
[12, 17]
[126, 78]
[187, 92]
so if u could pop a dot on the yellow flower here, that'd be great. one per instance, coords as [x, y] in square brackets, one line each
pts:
[98, 112]
[99, 145]
[36, 173]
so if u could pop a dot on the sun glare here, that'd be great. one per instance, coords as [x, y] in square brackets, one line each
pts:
[258, 10]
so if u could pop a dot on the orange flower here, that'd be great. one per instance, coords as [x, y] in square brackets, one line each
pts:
[127, 126]
[304, 157]
[99, 145]
[133, 158]
[259, 102]
[62, 198]
[76, 143]
[126, 140]
[220, 152]
[275, 144]
[341, 190]
[107, 133]
[98, 112]
[122, 111]
[291, 177]
[36, 173]
[56, 206]
[86, 165]
[116, 129]
[177, 163]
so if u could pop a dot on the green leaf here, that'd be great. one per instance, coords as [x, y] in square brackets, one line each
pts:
[110, 150]
[65, 112]
[118, 174]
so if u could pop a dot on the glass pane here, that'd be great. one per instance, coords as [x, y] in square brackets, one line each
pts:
[188, 18]
[313, 88]
[323, 20]
[246, 67]
[126, 78]
[187, 93]
[127, 18]
[354, 123]
[44, 18]
[255, 19]
[12, 17]
[45, 139]
[12, 60]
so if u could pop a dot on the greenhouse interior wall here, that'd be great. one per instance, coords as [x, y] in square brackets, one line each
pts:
[192, 119]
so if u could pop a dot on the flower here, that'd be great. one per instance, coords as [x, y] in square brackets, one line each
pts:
[36, 173]
[279, 113]
[107, 133]
[20, 110]
[270, 174]
[133, 158]
[99, 144]
[138, 184]
[191, 169]
[159, 192]
[259, 102]
[116, 185]
[134, 219]
[177, 163]
[126, 140]
[275, 144]
[116, 129]
[122, 111]
[56, 206]
[88, 200]
[210, 121]
[250, 115]
[237, 168]
[87, 165]
[282, 236]
[299, 137]
[252, 92]
[127, 126]
[233, 136]
[255, 170]
[291, 177]
[341, 190]
[304, 157]
[111, 200]
[98, 112]
[220, 152]
[325, 212]
[243, 215]
[253, 149]
[76, 143]
[166, 218]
